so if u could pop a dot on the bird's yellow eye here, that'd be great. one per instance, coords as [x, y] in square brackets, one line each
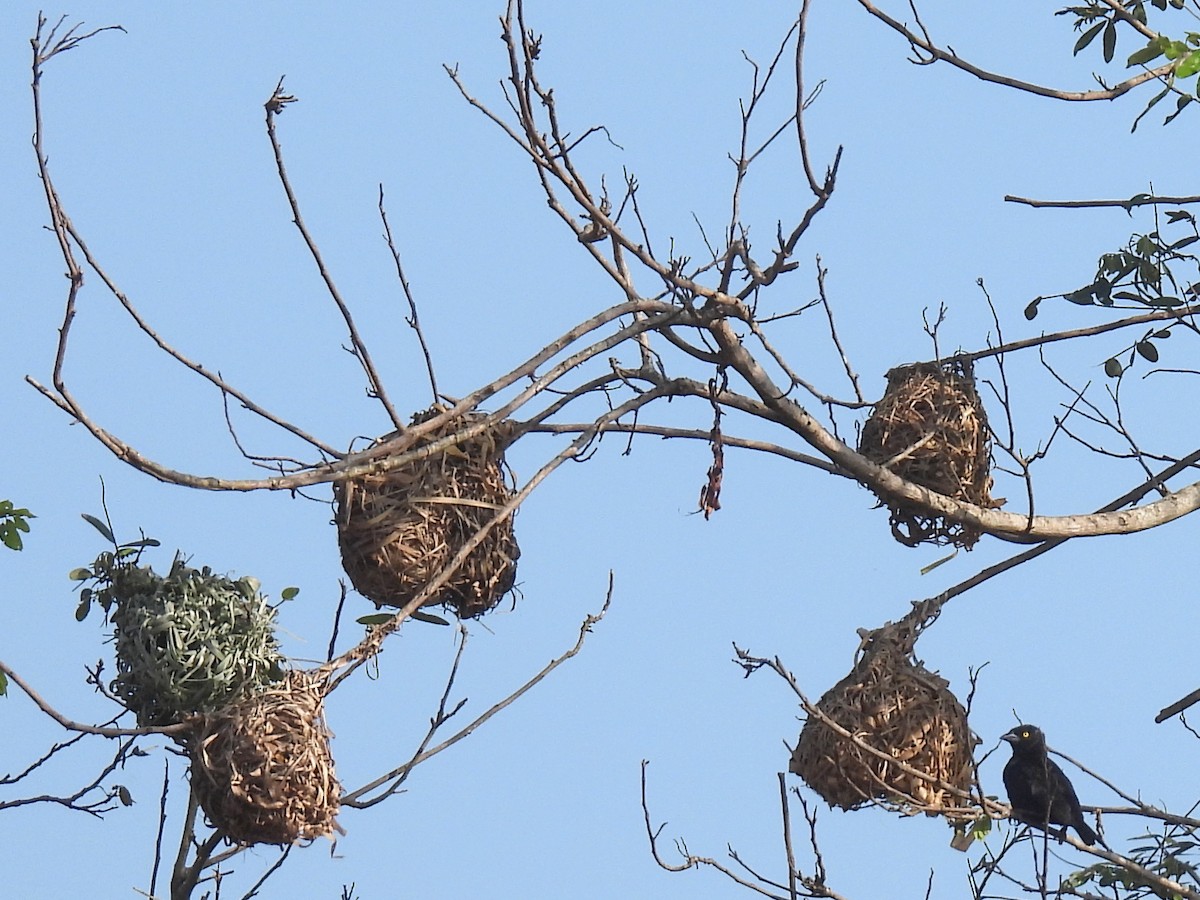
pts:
[1024, 734]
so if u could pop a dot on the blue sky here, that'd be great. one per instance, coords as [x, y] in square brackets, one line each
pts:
[155, 138]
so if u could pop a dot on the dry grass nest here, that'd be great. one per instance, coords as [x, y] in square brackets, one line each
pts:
[261, 768]
[930, 428]
[399, 529]
[895, 705]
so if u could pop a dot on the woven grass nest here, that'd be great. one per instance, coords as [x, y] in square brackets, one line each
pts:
[895, 705]
[399, 529]
[930, 428]
[190, 642]
[261, 768]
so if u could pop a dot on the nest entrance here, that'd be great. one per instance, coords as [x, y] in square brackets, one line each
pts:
[892, 703]
[399, 529]
[930, 428]
[261, 768]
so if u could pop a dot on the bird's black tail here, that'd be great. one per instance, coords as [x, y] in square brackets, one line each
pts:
[1086, 834]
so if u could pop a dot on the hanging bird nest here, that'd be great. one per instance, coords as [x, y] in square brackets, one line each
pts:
[892, 703]
[398, 529]
[188, 643]
[930, 428]
[261, 768]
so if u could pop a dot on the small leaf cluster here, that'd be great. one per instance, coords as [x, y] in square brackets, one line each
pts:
[13, 522]
[1146, 273]
[110, 567]
[189, 642]
[1100, 20]
[1164, 855]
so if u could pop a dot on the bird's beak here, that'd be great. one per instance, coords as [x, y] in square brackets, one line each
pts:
[1011, 738]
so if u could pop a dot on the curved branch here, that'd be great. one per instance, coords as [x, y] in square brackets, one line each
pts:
[72, 725]
[1013, 526]
[275, 105]
[922, 43]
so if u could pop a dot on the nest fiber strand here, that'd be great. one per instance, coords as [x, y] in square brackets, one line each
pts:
[398, 529]
[190, 642]
[930, 428]
[895, 705]
[262, 769]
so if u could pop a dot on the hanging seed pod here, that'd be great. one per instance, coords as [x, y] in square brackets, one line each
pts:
[262, 769]
[930, 428]
[398, 529]
[892, 703]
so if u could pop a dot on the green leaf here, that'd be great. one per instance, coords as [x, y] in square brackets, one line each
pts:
[82, 610]
[1165, 302]
[124, 796]
[1087, 37]
[100, 527]
[1113, 368]
[1189, 66]
[1181, 103]
[10, 536]
[925, 570]
[1149, 106]
[1174, 49]
[1147, 351]
[79, 574]
[375, 619]
[1081, 297]
[142, 544]
[429, 617]
[288, 593]
[3, 684]
[1110, 41]
[1163, 333]
[1152, 50]
[1031, 310]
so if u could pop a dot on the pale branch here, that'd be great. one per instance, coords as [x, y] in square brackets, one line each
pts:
[65, 233]
[787, 828]
[758, 90]
[1127, 204]
[787, 246]
[413, 320]
[55, 749]
[1131, 20]
[803, 102]
[354, 798]
[1010, 526]
[800, 885]
[922, 44]
[399, 775]
[925, 611]
[79, 800]
[1177, 707]
[371, 460]
[162, 829]
[851, 375]
[692, 434]
[275, 105]
[81, 727]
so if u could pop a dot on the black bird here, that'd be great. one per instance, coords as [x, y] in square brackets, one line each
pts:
[1038, 790]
